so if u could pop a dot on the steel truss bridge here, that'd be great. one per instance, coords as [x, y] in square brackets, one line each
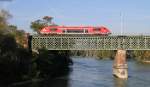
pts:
[90, 42]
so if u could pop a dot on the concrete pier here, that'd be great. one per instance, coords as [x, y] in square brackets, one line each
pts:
[120, 68]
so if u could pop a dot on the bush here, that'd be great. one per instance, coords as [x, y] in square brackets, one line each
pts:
[14, 61]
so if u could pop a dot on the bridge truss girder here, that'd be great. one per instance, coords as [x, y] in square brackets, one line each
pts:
[89, 42]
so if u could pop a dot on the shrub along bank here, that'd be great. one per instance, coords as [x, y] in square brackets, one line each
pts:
[18, 64]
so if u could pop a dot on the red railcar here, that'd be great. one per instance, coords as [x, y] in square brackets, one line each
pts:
[75, 30]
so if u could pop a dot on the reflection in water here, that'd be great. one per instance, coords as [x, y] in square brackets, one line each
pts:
[120, 82]
[57, 82]
[98, 73]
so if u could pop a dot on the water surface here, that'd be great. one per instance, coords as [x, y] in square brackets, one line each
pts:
[90, 72]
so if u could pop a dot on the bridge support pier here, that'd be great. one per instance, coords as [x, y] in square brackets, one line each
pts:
[120, 68]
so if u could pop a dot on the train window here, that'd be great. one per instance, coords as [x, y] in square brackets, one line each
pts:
[75, 31]
[96, 29]
[53, 29]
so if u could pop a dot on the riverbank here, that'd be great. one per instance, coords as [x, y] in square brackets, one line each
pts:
[18, 64]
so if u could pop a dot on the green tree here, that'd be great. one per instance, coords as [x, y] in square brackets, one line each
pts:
[6, 29]
[142, 55]
[4, 16]
[37, 25]
[106, 54]
[19, 35]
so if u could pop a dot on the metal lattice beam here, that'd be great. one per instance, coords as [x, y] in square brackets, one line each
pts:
[89, 42]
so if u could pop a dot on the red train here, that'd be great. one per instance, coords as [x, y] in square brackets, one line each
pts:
[75, 30]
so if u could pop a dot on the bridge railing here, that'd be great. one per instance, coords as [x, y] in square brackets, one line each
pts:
[130, 34]
[90, 42]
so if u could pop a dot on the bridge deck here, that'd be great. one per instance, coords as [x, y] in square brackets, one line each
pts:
[90, 42]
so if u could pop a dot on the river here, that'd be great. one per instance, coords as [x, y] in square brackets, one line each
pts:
[90, 72]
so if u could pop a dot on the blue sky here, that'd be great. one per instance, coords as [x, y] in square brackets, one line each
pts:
[136, 13]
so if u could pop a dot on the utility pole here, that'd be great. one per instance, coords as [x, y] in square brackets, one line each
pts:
[121, 23]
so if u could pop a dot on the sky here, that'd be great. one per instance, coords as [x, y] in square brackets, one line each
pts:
[135, 13]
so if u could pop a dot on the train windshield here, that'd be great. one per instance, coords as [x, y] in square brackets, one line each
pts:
[53, 29]
[96, 29]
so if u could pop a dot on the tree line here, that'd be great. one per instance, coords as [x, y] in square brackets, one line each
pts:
[139, 55]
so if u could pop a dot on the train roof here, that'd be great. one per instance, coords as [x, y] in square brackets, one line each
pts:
[75, 27]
